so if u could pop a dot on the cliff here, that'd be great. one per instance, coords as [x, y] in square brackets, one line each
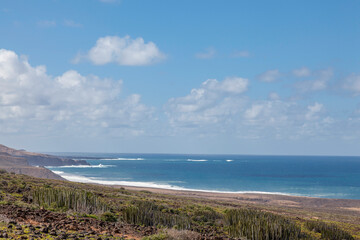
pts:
[39, 159]
[29, 163]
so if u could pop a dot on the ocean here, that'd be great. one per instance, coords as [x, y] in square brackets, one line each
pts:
[313, 176]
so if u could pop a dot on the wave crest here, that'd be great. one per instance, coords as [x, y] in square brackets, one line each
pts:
[83, 166]
[197, 160]
[122, 159]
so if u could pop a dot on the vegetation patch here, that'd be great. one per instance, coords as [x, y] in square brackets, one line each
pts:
[254, 224]
[328, 231]
[68, 199]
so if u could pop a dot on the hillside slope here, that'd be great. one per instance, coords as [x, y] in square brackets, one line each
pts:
[29, 163]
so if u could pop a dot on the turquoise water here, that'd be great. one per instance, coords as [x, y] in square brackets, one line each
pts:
[328, 177]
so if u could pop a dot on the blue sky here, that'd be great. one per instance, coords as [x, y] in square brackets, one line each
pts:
[247, 77]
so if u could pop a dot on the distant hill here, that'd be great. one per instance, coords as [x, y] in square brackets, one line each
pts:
[29, 163]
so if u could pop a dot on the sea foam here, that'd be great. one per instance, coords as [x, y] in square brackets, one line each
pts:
[197, 160]
[122, 159]
[83, 179]
[83, 166]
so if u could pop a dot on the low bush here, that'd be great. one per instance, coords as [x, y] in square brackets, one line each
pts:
[148, 213]
[328, 231]
[68, 199]
[172, 234]
[108, 217]
[258, 225]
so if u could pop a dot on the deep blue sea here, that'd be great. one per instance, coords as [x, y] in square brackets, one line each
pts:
[315, 176]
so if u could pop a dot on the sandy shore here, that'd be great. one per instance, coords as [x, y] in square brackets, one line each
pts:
[336, 206]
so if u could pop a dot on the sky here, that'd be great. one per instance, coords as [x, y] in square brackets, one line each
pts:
[210, 77]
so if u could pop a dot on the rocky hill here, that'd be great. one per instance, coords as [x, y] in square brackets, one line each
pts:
[29, 163]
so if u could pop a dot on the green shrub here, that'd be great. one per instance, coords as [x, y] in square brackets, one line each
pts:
[150, 214]
[258, 225]
[206, 215]
[328, 231]
[108, 217]
[159, 236]
[172, 234]
[69, 199]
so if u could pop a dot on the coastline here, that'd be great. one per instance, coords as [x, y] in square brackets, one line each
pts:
[280, 201]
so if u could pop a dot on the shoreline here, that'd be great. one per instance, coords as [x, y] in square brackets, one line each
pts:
[281, 202]
[153, 185]
[165, 186]
[247, 198]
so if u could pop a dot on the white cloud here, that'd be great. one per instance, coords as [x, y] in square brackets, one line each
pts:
[228, 85]
[319, 80]
[215, 109]
[71, 23]
[33, 101]
[46, 23]
[313, 111]
[352, 84]
[212, 102]
[207, 54]
[269, 76]
[302, 72]
[274, 96]
[123, 51]
[254, 111]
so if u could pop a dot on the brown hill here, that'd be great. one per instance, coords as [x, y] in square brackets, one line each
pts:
[29, 163]
[39, 159]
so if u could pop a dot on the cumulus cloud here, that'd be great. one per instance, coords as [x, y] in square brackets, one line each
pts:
[207, 54]
[313, 111]
[123, 51]
[213, 101]
[274, 96]
[222, 107]
[269, 76]
[319, 80]
[352, 84]
[302, 72]
[254, 111]
[32, 100]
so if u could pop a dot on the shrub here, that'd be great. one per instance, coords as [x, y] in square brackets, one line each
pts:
[328, 231]
[159, 236]
[258, 225]
[150, 214]
[182, 235]
[66, 198]
[172, 234]
[108, 217]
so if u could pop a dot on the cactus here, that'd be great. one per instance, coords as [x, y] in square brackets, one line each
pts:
[258, 225]
[69, 199]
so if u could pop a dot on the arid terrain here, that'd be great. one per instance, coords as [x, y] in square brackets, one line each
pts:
[53, 208]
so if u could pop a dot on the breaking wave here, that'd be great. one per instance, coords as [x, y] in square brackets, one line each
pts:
[123, 159]
[197, 160]
[83, 166]
[83, 179]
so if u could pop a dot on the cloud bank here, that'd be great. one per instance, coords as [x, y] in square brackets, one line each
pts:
[71, 104]
[31, 100]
